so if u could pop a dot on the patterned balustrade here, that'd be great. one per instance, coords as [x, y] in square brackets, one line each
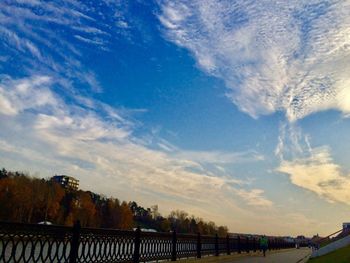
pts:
[222, 245]
[42, 243]
[208, 245]
[155, 246]
[186, 246]
[105, 245]
[232, 245]
[34, 243]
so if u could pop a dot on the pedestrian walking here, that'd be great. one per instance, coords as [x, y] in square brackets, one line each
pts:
[263, 244]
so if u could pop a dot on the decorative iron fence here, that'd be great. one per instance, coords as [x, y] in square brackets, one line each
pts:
[46, 243]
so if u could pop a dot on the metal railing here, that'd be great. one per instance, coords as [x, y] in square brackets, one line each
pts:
[332, 237]
[47, 243]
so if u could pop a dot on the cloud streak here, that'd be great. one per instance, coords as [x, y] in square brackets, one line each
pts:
[291, 57]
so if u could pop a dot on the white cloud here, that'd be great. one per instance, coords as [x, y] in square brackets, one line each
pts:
[319, 174]
[6, 106]
[16, 96]
[254, 197]
[292, 56]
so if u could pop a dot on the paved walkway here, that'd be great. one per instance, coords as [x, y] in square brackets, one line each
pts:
[289, 256]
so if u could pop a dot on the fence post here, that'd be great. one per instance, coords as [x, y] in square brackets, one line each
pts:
[216, 245]
[73, 255]
[173, 252]
[199, 245]
[228, 247]
[276, 244]
[137, 243]
[247, 244]
[239, 244]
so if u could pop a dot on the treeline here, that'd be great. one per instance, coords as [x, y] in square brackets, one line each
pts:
[28, 199]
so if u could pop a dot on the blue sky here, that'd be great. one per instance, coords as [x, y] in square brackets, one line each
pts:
[233, 111]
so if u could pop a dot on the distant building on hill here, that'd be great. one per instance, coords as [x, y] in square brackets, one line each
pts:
[346, 226]
[66, 181]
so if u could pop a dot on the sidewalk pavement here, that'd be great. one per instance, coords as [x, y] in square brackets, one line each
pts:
[290, 256]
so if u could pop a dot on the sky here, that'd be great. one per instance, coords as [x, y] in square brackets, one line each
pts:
[234, 111]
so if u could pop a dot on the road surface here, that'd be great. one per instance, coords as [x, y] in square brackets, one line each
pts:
[289, 256]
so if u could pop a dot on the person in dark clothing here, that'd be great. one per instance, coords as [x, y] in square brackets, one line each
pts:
[264, 243]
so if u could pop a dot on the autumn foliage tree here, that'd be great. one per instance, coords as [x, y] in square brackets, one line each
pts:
[31, 200]
[28, 200]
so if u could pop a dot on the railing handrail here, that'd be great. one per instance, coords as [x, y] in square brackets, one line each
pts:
[327, 237]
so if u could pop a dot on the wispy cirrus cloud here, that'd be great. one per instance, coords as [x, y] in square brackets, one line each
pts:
[291, 56]
[219, 157]
[51, 37]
